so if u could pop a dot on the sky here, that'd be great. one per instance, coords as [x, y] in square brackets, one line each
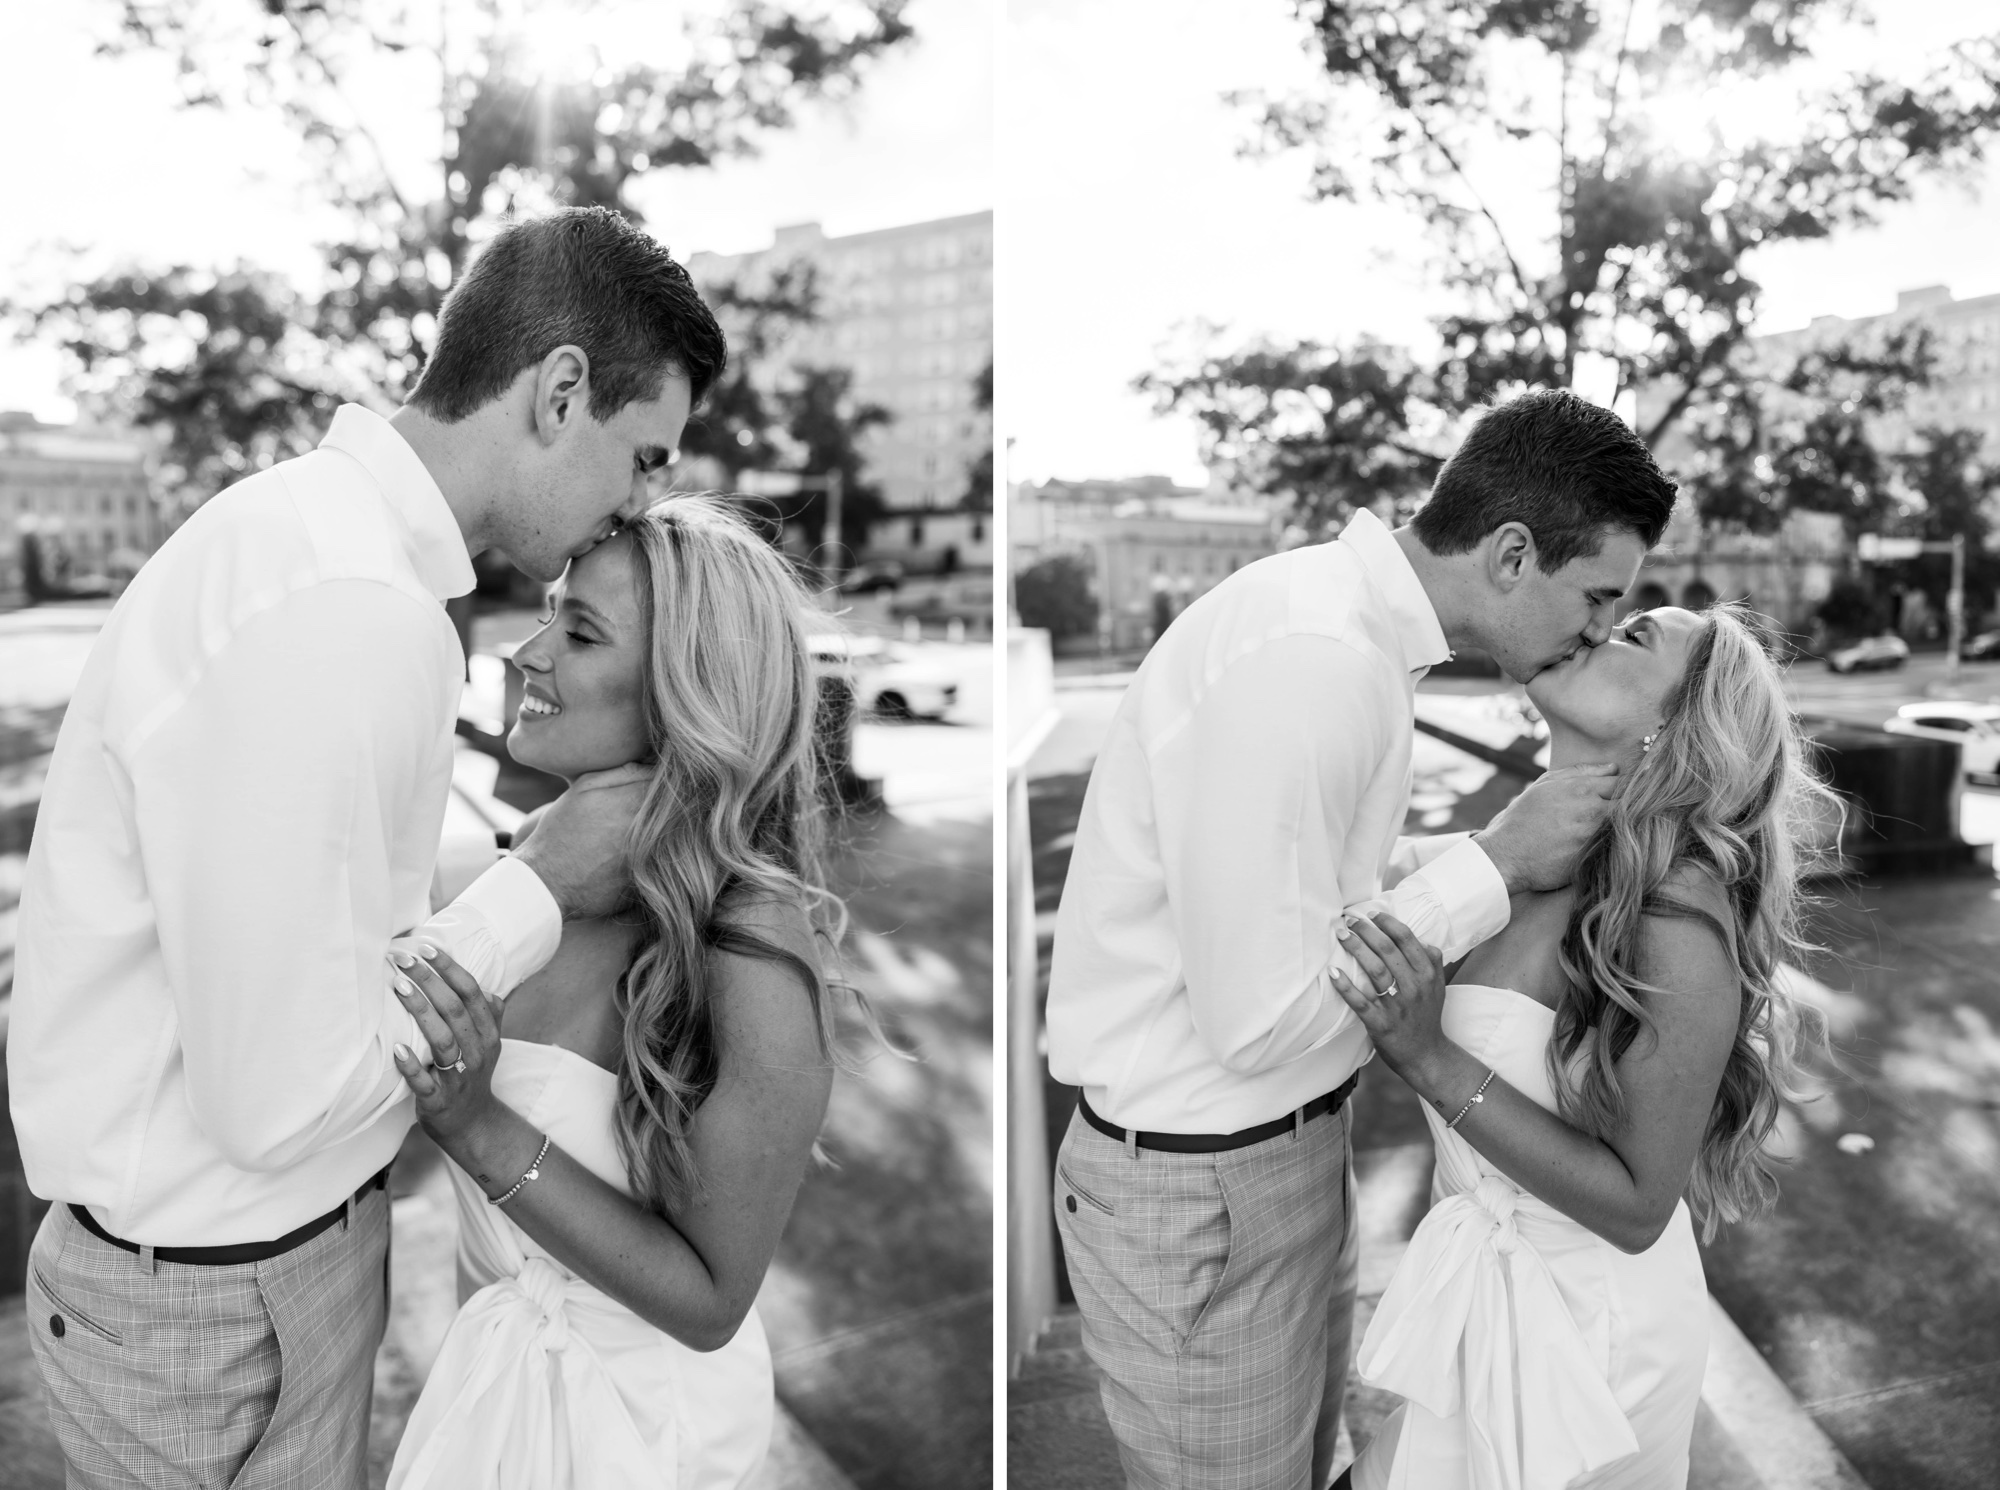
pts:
[1128, 215]
[134, 179]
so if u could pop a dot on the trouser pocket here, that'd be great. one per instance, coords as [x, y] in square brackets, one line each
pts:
[54, 1312]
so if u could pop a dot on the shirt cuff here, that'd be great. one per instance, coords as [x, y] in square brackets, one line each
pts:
[1471, 893]
[502, 929]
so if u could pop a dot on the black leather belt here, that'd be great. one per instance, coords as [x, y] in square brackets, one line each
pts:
[1217, 1143]
[235, 1253]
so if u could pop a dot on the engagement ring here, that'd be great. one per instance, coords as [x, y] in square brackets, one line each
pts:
[457, 1065]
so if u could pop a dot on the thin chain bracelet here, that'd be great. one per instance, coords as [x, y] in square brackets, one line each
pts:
[534, 1173]
[1470, 1102]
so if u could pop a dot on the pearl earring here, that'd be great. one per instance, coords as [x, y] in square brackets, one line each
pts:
[1647, 743]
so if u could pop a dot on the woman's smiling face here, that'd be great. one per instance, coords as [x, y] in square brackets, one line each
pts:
[1616, 694]
[583, 704]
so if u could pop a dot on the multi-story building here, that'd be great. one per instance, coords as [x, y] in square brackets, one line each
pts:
[1787, 573]
[1964, 391]
[910, 311]
[1154, 547]
[81, 490]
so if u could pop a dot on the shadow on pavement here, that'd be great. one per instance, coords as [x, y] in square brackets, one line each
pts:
[1873, 1288]
[879, 1304]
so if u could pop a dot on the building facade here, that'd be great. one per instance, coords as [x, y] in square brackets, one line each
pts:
[1785, 574]
[1964, 391]
[81, 491]
[1154, 547]
[910, 311]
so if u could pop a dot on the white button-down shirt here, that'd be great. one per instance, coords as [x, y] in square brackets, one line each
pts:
[1251, 789]
[243, 808]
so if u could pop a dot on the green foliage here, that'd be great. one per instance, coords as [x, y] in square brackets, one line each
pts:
[1547, 147]
[217, 361]
[1328, 428]
[1851, 609]
[515, 133]
[825, 423]
[1806, 436]
[979, 471]
[1055, 595]
[1957, 487]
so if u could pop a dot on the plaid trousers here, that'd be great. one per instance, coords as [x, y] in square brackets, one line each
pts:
[253, 1376]
[1217, 1295]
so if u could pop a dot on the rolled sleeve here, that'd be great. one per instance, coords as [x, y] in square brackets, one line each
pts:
[502, 929]
[1455, 901]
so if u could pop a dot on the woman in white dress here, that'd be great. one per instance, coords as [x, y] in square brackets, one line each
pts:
[630, 1127]
[1597, 1078]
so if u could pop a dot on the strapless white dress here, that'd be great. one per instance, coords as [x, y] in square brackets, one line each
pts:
[545, 1383]
[1532, 1353]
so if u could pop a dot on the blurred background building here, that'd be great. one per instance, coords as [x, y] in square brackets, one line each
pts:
[1964, 388]
[77, 494]
[1106, 565]
[909, 311]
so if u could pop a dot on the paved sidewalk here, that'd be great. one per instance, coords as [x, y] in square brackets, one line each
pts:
[1865, 1310]
[879, 1303]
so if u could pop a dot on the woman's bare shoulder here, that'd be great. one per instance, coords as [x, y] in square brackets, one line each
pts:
[776, 919]
[1689, 943]
[763, 1004]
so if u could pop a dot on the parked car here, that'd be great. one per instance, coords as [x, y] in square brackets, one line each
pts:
[886, 679]
[1982, 648]
[1884, 651]
[876, 574]
[1975, 728]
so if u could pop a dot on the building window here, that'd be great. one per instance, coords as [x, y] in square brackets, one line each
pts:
[917, 528]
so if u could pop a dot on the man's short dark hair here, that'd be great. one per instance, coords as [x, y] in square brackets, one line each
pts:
[1567, 470]
[580, 277]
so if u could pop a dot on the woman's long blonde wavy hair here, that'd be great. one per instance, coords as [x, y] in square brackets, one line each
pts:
[731, 819]
[1726, 786]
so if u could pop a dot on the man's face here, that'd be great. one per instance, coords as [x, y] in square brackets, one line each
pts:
[590, 476]
[1541, 619]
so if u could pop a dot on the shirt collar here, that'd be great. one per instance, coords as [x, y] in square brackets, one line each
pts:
[1410, 609]
[431, 536]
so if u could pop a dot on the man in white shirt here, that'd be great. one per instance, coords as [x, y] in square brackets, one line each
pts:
[1249, 793]
[244, 808]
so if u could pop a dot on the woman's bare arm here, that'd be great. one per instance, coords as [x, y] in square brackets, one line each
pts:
[1623, 1188]
[695, 1272]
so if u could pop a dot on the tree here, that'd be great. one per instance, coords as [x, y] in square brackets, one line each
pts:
[979, 472]
[1055, 595]
[1656, 153]
[1327, 428]
[528, 117]
[824, 423]
[1811, 435]
[1596, 180]
[1957, 491]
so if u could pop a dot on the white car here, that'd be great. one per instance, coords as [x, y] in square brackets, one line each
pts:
[1975, 728]
[1887, 650]
[887, 680]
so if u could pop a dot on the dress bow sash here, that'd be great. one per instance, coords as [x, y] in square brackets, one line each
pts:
[1473, 1321]
[535, 1408]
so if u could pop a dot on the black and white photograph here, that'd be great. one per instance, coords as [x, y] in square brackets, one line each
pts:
[497, 712]
[1500, 776]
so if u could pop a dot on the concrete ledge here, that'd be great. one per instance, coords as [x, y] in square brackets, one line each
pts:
[1769, 1431]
